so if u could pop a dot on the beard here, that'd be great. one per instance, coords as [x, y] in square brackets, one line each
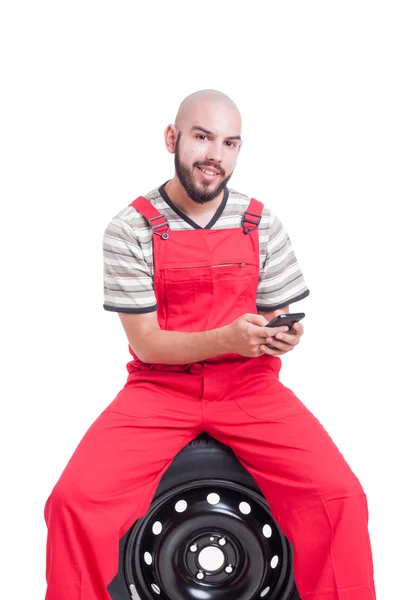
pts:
[198, 192]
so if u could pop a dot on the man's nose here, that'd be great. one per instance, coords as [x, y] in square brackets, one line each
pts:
[215, 151]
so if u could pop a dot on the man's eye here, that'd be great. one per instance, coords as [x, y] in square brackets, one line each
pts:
[202, 136]
[230, 143]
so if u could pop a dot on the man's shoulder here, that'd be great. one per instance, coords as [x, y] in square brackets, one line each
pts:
[240, 202]
[132, 218]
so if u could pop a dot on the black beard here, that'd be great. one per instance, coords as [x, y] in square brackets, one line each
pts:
[184, 174]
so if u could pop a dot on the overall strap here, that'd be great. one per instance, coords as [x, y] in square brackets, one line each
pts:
[157, 221]
[252, 216]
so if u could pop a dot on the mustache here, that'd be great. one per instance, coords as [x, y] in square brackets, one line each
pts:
[209, 164]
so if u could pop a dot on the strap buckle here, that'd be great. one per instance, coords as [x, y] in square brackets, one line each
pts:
[245, 220]
[163, 234]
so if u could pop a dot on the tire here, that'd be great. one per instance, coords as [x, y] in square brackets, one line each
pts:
[218, 537]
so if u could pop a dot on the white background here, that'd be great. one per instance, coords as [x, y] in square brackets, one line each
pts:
[88, 89]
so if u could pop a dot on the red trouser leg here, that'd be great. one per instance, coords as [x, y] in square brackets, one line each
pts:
[111, 479]
[312, 492]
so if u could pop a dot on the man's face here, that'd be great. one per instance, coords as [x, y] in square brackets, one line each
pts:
[207, 150]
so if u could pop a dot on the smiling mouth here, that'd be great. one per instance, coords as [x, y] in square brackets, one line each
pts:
[208, 172]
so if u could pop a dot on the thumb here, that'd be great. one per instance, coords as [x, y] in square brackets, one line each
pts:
[258, 320]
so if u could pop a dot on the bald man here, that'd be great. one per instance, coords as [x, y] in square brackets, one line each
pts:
[196, 271]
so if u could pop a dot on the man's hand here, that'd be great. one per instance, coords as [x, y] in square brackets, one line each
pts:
[283, 342]
[248, 336]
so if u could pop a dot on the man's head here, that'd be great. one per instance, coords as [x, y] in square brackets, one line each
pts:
[205, 139]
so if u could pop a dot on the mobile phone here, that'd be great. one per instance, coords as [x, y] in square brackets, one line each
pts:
[287, 319]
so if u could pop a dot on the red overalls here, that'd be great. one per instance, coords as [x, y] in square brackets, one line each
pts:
[205, 279]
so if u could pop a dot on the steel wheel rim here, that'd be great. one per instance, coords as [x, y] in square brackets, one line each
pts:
[205, 539]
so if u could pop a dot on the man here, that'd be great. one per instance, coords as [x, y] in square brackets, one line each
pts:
[196, 271]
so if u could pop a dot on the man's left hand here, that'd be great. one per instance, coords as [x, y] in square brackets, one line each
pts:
[285, 342]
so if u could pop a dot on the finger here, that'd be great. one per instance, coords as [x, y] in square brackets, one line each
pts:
[266, 349]
[272, 331]
[298, 328]
[258, 320]
[274, 343]
[288, 338]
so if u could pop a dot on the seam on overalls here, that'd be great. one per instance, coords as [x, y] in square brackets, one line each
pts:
[117, 412]
[262, 420]
[344, 587]
[309, 479]
[139, 503]
[328, 518]
[166, 463]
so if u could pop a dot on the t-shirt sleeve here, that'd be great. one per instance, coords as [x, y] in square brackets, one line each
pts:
[128, 281]
[281, 281]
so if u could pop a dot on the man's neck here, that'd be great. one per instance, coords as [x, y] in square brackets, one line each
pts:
[194, 210]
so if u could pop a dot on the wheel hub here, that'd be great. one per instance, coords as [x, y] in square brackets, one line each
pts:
[211, 557]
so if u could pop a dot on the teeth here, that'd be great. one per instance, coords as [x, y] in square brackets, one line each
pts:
[208, 172]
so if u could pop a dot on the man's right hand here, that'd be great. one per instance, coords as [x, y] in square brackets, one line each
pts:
[247, 336]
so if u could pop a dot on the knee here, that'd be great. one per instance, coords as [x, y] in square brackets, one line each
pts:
[65, 495]
[345, 485]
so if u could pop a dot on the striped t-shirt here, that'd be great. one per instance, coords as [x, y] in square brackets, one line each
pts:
[128, 255]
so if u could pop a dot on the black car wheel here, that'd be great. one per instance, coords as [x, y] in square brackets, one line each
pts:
[209, 534]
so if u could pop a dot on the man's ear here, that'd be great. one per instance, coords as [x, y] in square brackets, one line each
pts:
[170, 138]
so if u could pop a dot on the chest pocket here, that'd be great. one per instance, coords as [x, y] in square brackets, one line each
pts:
[207, 297]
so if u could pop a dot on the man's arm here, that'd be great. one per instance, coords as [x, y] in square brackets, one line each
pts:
[154, 345]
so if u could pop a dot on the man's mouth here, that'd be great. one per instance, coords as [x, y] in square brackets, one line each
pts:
[209, 171]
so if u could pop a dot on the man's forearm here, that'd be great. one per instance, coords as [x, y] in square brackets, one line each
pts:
[177, 347]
